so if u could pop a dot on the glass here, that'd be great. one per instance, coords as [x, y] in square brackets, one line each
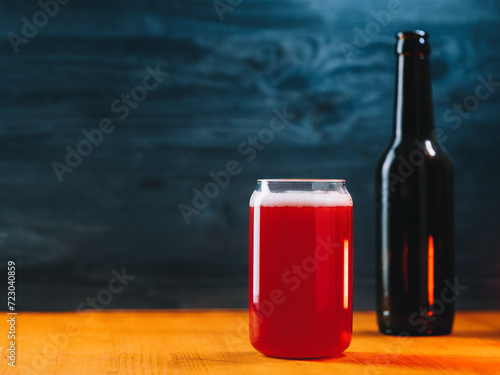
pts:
[300, 279]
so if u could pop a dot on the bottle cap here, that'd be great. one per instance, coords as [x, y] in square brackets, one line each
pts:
[412, 42]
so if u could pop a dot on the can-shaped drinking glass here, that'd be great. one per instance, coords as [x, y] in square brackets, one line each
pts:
[300, 279]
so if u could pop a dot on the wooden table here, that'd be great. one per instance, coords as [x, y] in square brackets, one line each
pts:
[216, 342]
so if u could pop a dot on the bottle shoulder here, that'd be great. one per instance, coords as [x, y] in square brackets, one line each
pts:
[416, 152]
[427, 146]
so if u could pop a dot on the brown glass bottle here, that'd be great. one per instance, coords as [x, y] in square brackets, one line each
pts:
[414, 202]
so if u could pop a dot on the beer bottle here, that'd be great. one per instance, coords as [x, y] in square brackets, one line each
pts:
[414, 203]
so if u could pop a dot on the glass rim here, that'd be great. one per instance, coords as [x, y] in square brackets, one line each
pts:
[334, 180]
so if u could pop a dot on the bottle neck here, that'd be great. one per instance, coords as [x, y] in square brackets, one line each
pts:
[413, 114]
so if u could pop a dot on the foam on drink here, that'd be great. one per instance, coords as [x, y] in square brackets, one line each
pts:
[302, 199]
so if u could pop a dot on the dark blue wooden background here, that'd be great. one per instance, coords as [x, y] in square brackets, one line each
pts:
[231, 65]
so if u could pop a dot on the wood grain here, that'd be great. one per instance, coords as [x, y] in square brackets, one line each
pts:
[216, 342]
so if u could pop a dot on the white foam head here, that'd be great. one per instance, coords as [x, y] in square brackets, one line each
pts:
[301, 199]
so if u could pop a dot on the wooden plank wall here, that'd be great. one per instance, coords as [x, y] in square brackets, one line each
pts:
[230, 67]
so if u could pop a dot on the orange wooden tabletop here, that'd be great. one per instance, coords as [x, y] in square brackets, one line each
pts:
[216, 342]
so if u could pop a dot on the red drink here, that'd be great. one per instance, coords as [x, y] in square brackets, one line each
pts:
[300, 299]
